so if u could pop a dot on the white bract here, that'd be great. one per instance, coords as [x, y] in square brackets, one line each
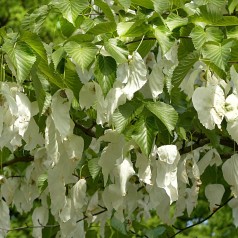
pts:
[168, 158]
[132, 75]
[209, 103]
[229, 169]
[214, 193]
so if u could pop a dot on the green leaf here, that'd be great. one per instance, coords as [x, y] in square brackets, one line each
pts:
[105, 8]
[132, 29]
[83, 54]
[125, 3]
[93, 167]
[105, 72]
[51, 75]
[70, 9]
[42, 182]
[199, 36]
[161, 5]
[118, 226]
[185, 47]
[173, 21]
[162, 231]
[227, 21]
[117, 52]
[103, 27]
[144, 134]
[183, 67]
[57, 56]
[81, 38]
[125, 115]
[34, 41]
[21, 56]
[163, 36]
[39, 90]
[210, 14]
[72, 81]
[145, 3]
[232, 5]
[66, 27]
[165, 113]
[34, 21]
[218, 53]
[144, 47]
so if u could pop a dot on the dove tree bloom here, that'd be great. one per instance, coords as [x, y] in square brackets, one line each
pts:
[130, 112]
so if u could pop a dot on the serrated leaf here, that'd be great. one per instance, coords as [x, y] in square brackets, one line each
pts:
[51, 75]
[183, 67]
[57, 56]
[118, 226]
[72, 81]
[227, 21]
[83, 54]
[232, 5]
[34, 41]
[199, 36]
[105, 72]
[42, 182]
[94, 167]
[105, 8]
[132, 29]
[144, 47]
[22, 58]
[210, 15]
[103, 27]
[145, 3]
[162, 231]
[125, 3]
[165, 113]
[218, 53]
[34, 21]
[144, 134]
[81, 38]
[70, 9]
[173, 21]
[39, 90]
[125, 114]
[118, 53]
[161, 5]
[164, 37]
[66, 27]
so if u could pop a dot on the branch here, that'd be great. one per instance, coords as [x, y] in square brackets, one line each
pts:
[205, 219]
[52, 225]
[87, 131]
[23, 159]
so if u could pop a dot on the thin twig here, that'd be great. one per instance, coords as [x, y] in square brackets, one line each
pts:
[201, 221]
[22, 159]
[51, 225]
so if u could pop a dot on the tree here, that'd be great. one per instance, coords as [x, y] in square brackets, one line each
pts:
[128, 110]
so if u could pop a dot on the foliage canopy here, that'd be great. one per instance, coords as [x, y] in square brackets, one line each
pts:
[129, 109]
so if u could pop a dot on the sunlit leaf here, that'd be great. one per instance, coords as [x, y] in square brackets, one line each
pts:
[70, 9]
[22, 58]
[83, 54]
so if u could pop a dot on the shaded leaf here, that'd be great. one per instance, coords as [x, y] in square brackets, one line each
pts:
[183, 67]
[165, 113]
[94, 167]
[144, 134]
